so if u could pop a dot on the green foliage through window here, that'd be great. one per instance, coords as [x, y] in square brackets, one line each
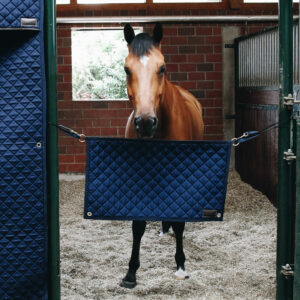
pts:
[98, 57]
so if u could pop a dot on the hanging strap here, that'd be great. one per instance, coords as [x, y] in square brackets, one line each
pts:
[70, 132]
[246, 136]
[249, 135]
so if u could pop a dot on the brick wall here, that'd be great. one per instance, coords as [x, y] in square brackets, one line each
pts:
[193, 53]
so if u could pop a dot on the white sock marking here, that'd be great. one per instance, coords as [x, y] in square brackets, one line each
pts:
[181, 274]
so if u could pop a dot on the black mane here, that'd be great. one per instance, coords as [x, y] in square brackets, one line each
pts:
[141, 44]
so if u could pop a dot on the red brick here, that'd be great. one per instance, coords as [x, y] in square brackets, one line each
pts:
[92, 131]
[64, 86]
[172, 67]
[213, 75]
[170, 31]
[196, 58]
[76, 168]
[217, 49]
[117, 104]
[205, 49]
[213, 39]
[64, 51]
[218, 67]
[213, 58]
[213, 93]
[178, 40]
[67, 77]
[63, 168]
[196, 76]
[205, 84]
[118, 122]
[218, 85]
[124, 112]
[91, 114]
[109, 131]
[216, 112]
[101, 123]
[187, 67]
[67, 60]
[204, 31]
[121, 132]
[108, 114]
[66, 158]
[189, 85]
[196, 40]
[62, 105]
[64, 69]
[217, 30]
[178, 58]
[186, 31]
[80, 158]
[169, 49]
[214, 129]
[63, 33]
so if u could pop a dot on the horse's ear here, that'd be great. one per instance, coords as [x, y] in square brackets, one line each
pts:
[128, 33]
[157, 34]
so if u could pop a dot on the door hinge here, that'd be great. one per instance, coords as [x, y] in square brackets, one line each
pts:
[288, 101]
[287, 271]
[289, 156]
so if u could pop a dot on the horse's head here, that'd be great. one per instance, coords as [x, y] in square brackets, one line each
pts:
[145, 68]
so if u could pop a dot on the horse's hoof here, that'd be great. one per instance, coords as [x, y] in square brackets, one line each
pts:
[128, 284]
[181, 274]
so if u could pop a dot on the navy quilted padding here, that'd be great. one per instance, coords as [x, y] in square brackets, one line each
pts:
[12, 11]
[155, 180]
[23, 229]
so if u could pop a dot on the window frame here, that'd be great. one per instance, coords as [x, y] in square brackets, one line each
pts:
[120, 28]
[74, 8]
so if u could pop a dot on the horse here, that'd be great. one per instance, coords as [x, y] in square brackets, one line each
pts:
[161, 110]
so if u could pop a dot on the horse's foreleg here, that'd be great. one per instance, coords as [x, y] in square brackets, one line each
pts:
[138, 229]
[178, 228]
[165, 228]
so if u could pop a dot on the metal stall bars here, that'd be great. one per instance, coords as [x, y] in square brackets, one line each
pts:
[23, 213]
[264, 87]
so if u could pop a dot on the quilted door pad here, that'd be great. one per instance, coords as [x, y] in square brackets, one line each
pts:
[156, 180]
[23, 227]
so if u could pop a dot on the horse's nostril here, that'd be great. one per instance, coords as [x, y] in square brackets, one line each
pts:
[154, 122]
[136, 122]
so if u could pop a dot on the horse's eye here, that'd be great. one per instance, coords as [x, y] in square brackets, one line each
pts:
[162, 69]
[127, 71]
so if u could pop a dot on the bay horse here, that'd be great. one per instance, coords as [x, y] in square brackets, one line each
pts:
[161, 110]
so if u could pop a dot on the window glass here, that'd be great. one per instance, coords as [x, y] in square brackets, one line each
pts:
[109, 1]
[62, 1]
[185, 1]
[98, 57]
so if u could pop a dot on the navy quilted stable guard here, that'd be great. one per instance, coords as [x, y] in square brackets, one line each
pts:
[132, 179]
[23, 215]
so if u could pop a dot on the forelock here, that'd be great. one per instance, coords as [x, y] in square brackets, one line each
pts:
[141, 44]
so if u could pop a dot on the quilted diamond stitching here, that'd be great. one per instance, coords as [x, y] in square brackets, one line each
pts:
[22, 210]
[154, 180]
[11, 12]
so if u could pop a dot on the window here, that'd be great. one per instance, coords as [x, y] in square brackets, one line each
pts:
[265, 1]
[185, 1]
[62, 1]
[98, 57]
[109, 1]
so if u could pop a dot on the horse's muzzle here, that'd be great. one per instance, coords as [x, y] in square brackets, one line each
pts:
[145, 126]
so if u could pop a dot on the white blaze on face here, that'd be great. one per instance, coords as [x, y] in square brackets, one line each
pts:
[144, 60]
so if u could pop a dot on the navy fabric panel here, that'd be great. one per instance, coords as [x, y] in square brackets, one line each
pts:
[23, 227]
[11, 12]
[155, 180]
